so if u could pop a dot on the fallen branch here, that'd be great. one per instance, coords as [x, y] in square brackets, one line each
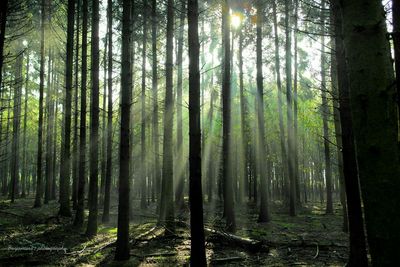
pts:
[247, 243]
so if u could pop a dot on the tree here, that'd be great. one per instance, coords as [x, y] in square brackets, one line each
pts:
[143, 189]
[358, 252]
[325, 112]
[38, 197]
[107, 193]
[15, 166]
[197, 251]
[79, 216]
[66, 144]
[167, 193]
[3, 22]
[290, 138]
[157, 174]
[122, 249]
[94, 123]
[263, 215]
[229, 211]
[373, 109]
[24, 171]
[396, 45]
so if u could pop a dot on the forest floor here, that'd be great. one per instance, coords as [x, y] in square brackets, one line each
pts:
[38, 237]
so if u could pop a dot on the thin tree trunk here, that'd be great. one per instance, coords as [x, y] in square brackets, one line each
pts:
[290, 158]
[15, 166]
[24, 171]
[167, 203]
[143, 191]
[49, 132]
[295, 107]
[325, 112]
[263, 215]
[65, 162]
[227, 180]
[396, 45]
[94, 123]
[179, 170]
[3, 22]
[75, 150]
[107, 190]
[79, 217]
[38, 197]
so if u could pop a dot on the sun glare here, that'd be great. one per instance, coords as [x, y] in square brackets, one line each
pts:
[236, 20]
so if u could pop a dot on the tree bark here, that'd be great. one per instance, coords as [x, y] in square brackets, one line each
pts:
[197, 251]
[94, 123]
[122, 248]
[79, 217]
[373, 109]
[65, 162]
[229, 210]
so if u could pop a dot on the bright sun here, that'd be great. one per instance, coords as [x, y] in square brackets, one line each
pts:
[236, 20]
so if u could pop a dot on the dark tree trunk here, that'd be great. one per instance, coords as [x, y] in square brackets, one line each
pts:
[358, 252]
[290, 158]
[157, 174]
[49, 131]
[107, 189]
[325, 112]
[179, 133]
[94, 123]
[24, 171]
[79, 217]
[263, 215]
[15, 166]
[122, 249]
[38, 197]
[295, 107]
[375, 124]
[167, 202]
[75, 150]
[65, 162]
[143, 190]
[197, 251]
[227, 180]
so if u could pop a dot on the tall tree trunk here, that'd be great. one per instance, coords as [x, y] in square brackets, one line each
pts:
[358, 252]
[24, 171]
[94, 123]
[197, 251]
[79, 217]
[143, 190]
[104, 124]
[325, 112]
[263, 215]
[157, 174]
[244, 123]
[49, 132]
[15, 166]
[38, 197]
[227, 180]
[122, 249]
[55, 120]
[66, 153]
[280, 104]
[295, 107]
[75, 150]
[290, 158]
[179, 133]
[373, 109]
[167, 202]
[107, 189]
